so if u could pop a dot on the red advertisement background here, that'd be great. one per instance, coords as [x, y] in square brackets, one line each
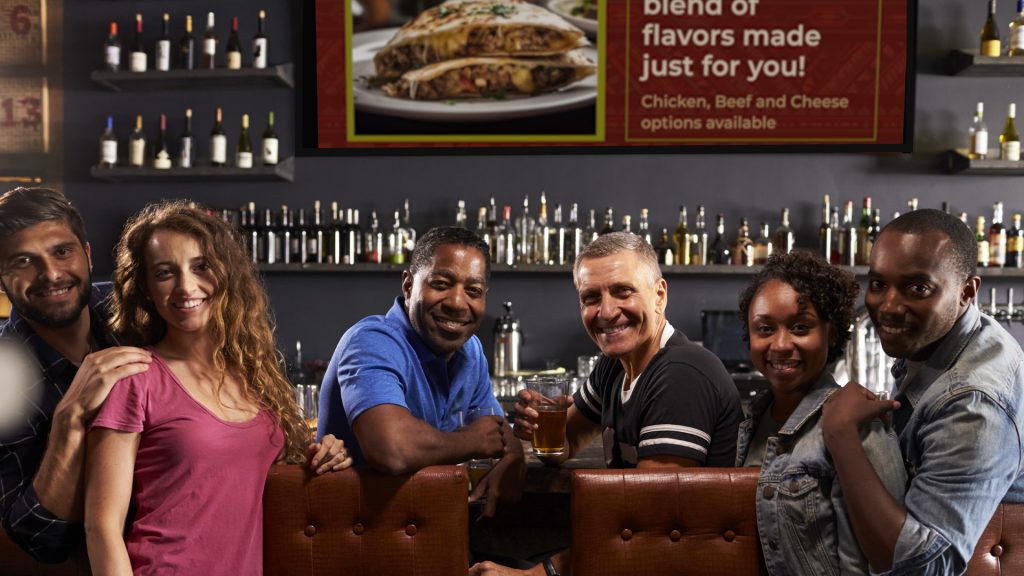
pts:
[862, 57]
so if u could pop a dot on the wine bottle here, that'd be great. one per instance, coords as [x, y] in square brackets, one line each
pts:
[608, 226]
[112, 49]
[743, 248]
[699, 240]
[137, 145]
[209, 44]
[163, 46]
[187, 157]
[681, 239]
[1009, 140]
[990, 45]
[645, 227]
[1015, 244]
[162, 156]
[665, 249]
[539, 244]
[627, 224]
[508, 236]
[233, 51]
[108, 146]
[848, 237]
[863, 248]
[979, 234]
[187, 47]
[979, 135]
[782, 238]
[316, 238]
[243, 156]
[259, 43]
[269, 143]
[218, 142]
[719, 252]
[825, 239]
[1017, 32]
[763, 245]
[138, 61]
[997, 238]
[410, 232]
[524, 234]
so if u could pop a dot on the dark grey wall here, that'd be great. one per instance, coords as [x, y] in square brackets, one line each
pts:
[318, 308]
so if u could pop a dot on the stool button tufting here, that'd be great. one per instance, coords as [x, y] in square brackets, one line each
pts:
[768, 492]
[358, 529]
[997, 550]
[627, 533]
[309, 530]
[729, 535]
[675, 535]
[410, 530]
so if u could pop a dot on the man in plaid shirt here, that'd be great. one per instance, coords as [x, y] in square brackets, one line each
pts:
[58, 329]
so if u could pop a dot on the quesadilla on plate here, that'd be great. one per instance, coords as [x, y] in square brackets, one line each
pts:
[491, 77]
[468, 28]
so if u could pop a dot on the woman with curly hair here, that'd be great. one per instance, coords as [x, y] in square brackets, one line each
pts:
[190, 441]
[797, 314]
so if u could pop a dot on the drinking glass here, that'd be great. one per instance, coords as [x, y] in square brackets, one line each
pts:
[477, 468]
[550, 398]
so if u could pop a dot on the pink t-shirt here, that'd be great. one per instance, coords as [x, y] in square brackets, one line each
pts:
[198, 481]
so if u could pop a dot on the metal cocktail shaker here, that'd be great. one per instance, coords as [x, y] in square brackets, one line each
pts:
[508, 342]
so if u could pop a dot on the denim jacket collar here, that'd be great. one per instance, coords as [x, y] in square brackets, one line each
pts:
[952, 345]
[808, 407]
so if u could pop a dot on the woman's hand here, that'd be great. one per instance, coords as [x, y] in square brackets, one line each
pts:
[328, 455]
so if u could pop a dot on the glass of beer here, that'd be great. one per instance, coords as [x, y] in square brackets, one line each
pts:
[477, 468]
[550, 398]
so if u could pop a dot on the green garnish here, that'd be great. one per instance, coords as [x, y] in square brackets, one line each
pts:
[449, 102]
[445, 10]
[503, 10]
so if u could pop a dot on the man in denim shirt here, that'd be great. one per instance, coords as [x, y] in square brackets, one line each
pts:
[958, 411]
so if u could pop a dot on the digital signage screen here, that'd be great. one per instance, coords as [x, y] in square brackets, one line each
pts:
[607, 75]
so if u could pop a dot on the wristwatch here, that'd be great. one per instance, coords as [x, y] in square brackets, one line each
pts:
[550, 569]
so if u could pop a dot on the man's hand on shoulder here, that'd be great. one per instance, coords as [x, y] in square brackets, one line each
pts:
[850, 408]
[94, 380]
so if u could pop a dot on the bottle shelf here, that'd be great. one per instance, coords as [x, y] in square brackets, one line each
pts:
[284, 170]
[958, 162]
[281, 75]
[969, 63]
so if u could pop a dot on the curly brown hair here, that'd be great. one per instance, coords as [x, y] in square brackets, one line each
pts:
[239, 307]
[831, 290]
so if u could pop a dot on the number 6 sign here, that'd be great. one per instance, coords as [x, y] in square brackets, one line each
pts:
[21, 32]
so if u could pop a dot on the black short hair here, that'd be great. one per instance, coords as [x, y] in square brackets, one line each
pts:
[427, 244]
[830, 289]
[925, 220]
[23, 208]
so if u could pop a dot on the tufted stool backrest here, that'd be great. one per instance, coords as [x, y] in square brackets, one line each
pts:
[696, 521]
[360, 523]
[1000, 549]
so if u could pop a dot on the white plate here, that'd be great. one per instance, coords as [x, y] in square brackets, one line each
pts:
[369, 99]
[564, 9]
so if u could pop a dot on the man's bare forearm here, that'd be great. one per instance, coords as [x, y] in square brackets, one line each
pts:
[58, 482]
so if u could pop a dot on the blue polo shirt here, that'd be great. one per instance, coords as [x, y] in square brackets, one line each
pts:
[382, 360]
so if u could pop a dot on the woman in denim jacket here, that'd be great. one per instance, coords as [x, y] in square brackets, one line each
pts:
[797, 312]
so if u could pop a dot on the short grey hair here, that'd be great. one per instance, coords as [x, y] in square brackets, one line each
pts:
[614, 243]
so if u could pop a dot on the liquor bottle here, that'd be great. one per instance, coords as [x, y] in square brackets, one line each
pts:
[945, 207]
[269, 142]
[627, 224]
[983, 250]
[137, 60]
[163, 46]
[997, 238]
[287, 228]
[218, 142]
[271, 249]
[333, 242]
[350, 239]
[508, 234]
[590, 233]
[837, 233]
[137, 145]
[979, 134]
[911, 205]
[848, 237]
[863, 229]
[990, 45]
[112, 49]
[259, 43]
[681, 238]
[665, 249]
[243, 156]
[482, 229]
[460, 214]
[763, 246]
[187, 156]
[1017, 32]
[497, 248]
[525, 225]
[1015, 244]
[394, 252]
[253, 232]
[1009, 140]
[874, 231]
[233, 50]
[719, 251]
[782, 238]
[317, 238]
[162, 156]
[302, 234]
[410, 231]
[743, 248]
[576, 233]
[373, 241]
[541, 243]
[645, 227]
[561, 240]
[608, 226]
[187, 47]
[699, 240]
[209, 45]
[108, 146]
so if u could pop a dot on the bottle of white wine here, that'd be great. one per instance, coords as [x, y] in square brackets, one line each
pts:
[979, 135]
[233, 51]
[137, 145]
[1017, 32]
[990, 45]
[112, 49]
[259, 43]
[218, 142]
[138, 61]
[187, 156]
[270, 142]
[162, 156]
[108, 146]
[209, 44]
[163, 46]
[1009, 140]
[243, 156]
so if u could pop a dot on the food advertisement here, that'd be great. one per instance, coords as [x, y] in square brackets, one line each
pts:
[615, 74]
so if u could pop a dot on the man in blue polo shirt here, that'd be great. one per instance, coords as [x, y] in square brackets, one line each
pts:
[399, 386]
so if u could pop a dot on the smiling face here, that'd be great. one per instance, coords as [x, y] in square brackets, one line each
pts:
[788, 340]
[622, 306]
[45, 271]
[446, 300]
[915, 294]
[179, 281]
